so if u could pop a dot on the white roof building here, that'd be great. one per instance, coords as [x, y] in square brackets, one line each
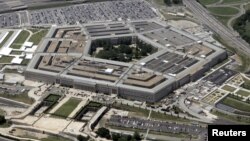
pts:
[16, 60]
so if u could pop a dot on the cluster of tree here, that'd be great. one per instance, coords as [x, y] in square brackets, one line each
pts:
[120, 50]
[82, 138]
[170, 2]
[105, 133]
[241, 25]
[2, 119]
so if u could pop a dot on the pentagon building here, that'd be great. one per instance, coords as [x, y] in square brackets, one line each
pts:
[66, 57]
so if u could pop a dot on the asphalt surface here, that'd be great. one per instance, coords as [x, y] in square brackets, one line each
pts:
[5, 139]
[231, 37]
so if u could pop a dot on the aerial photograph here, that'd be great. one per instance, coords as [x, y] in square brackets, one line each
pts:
[124, 70]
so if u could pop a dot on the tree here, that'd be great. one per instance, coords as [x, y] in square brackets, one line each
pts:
[137, 136]
[103, 132]
[2, 120]
[168, 2]
[81, 138]
[177, 1]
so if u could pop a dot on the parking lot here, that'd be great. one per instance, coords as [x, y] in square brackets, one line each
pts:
[86, 13]
[159, 126]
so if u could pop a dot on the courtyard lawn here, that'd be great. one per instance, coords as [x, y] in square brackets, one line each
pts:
[240, 105]
[19, 41]
[223, 10]
[6, 59]
[68, 107]
[6, 38]
[37, 37]
[243, 93]
[228, 88]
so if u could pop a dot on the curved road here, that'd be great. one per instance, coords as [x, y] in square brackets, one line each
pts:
[231, 37]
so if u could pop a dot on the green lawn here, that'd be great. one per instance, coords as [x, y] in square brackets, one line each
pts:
[65, 110]
[233, 1]
[52, 97]
[54, 138]
[223, 19]
[247, 28]
[243, 93]
[207, 2]
[6, 38]
[16, 52]
[228, 88]
[20, 97]
[6, 59]
[223, 10]
[25, 62]
[144, 113]
[240, 105]
[231, 117]
[37, 37]
[21, 38]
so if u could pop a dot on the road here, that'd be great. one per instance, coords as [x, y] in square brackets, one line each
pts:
[226, 34]
[5, 139]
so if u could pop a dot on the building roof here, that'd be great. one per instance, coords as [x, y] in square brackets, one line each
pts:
[16, 60]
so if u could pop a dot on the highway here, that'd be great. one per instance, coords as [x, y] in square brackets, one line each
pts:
[231, 37]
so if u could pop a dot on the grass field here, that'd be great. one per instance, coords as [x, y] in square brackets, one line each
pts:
[243, 93]
[233, 1]
[25, 62]
[21, 38]
[16, 52]
[67, 108]
[21, 98]
[37, 37]
[54, 138]
[6, 59]
[207, 2]
[223, 10]
[228, 88]
[231, 117]
[240, 105]
[223, 19]
[134, 111]
[52, 98]
[6, 38]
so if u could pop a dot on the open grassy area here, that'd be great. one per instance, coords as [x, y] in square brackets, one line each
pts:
[237, 104]
[16, 52]
[245, 59]
[223, 10]
[144, 113]
[21, 38]
[54, 138]
[37, 37]
[6, 59]
[52, 97]
[233, 1]
[25, 62]
[65, 110]
[228, 88]
[243, 93]
[20, 97]
[238, 119]
[223, 19]
[207, 2]
[6, 38]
